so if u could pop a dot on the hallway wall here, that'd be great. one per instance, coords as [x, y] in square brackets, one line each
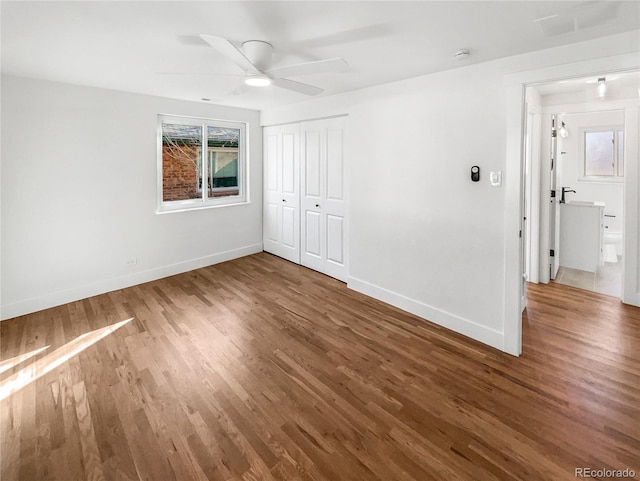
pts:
[422, 235]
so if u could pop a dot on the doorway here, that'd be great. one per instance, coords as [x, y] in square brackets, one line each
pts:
[574, 182]
[305, 195]
[590, 168]
[516, 86]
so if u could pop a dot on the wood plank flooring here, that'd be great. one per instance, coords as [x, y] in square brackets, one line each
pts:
[258, 369]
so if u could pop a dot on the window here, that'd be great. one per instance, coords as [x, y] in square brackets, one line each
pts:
[603, 155]
[620, 153]
[201, 163]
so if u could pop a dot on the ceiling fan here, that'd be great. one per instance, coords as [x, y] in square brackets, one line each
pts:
[255, 59]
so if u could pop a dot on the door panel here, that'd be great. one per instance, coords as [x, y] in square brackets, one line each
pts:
[271, 156]
[289, 170]
[281, 234]
[335, 172]
[271, 222]
[289, 227]
[554, 218]
[323, 197]
[271, 228]
[313, 234]
[335, 237]
[312, 166]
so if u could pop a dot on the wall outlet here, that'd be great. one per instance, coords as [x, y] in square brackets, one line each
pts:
[131, 262]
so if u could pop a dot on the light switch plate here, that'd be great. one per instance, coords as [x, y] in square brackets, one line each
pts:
[495, 177]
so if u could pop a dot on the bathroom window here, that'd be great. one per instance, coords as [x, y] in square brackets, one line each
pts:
[620, 152]
[603, 155]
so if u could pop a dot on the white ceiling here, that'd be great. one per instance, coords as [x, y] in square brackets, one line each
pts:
[154, 47]
[621, 84]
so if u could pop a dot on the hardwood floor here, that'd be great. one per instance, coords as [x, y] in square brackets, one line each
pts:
[258, 369]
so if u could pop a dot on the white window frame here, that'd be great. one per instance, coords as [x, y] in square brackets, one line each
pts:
[613, 179]
[208, 171]
[203, 202]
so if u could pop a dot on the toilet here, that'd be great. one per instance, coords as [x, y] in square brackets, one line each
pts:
[612, 245]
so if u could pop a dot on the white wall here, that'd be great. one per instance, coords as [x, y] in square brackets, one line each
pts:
[79, 195]
[422, 235]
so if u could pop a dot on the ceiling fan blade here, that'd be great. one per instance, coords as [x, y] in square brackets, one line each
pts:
[230, 51]
[202, 74]
[321, 66]
[306, 89]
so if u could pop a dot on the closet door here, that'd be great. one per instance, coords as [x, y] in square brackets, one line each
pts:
[322, 191]
[281, 226]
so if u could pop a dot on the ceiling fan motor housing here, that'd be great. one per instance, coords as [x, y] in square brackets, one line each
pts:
[258, 53]
[255, 60]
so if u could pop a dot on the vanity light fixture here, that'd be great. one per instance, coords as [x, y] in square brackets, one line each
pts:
[564, 133]
[602, 87]
[603, 84]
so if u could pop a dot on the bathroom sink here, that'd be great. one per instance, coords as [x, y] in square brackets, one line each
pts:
[585, 202]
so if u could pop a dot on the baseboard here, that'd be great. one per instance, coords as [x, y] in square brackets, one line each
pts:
[632, 300]
[107, 285]
[458, 324]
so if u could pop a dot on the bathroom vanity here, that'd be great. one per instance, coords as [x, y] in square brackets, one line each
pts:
[582, 235]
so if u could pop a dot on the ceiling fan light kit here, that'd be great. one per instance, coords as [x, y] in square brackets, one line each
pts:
[257, 81]
[255, 60]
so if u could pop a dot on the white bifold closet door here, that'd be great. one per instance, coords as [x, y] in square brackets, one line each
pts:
[322, 197]
[281, 223]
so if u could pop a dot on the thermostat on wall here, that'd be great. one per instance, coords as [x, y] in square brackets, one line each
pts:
[475, 173]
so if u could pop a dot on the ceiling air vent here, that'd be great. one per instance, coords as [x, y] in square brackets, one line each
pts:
[461, 54]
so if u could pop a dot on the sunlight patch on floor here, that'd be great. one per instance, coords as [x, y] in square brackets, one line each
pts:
[14, 361]
[51, 361]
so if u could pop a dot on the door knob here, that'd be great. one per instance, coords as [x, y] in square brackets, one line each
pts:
[284, 200]
[317, 205]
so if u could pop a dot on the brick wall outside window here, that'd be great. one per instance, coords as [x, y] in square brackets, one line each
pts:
[180, 173]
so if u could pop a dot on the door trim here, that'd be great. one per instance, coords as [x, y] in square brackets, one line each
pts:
[515, 95]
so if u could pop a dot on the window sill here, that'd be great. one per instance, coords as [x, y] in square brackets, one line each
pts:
[170, 209]
[601, 180]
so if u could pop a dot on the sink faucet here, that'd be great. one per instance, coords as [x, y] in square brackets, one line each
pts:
[564, 191]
